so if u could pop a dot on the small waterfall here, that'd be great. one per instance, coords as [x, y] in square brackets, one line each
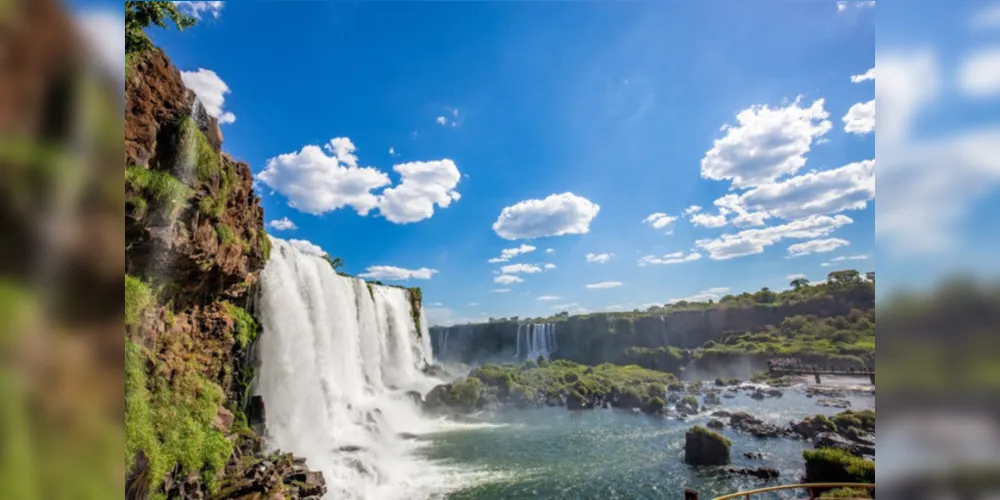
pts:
[534, 340]
[336, 361]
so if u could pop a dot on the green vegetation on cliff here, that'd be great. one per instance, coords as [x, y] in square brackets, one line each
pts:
[245, 326]
[138, 297]
[170, 422]
[153, 189]
[848, 339]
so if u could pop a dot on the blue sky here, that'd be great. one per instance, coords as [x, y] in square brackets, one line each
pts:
[604, 114]
[463, 129]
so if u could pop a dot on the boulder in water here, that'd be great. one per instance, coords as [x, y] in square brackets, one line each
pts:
[753, 425]
[688, 405]
[654, 406]
[703, 446]
[838, 442]
[716, 424]
[809, 427]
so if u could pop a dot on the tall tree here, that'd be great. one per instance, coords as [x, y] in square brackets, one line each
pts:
[799, 283]
[141, 15]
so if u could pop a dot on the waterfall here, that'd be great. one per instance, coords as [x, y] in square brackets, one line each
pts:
[336, 361]
[534, 340]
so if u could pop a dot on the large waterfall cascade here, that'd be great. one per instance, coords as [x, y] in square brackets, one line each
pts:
[336, 362]
[534, 340]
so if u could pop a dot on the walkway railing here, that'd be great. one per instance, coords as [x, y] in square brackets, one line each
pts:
[747, 495]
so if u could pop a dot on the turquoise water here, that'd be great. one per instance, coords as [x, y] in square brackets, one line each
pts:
[612, 454]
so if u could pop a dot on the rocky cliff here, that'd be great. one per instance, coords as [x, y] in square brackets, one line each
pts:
[195, 243]
[655, 341]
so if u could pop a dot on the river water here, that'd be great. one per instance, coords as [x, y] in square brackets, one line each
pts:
[554, 453]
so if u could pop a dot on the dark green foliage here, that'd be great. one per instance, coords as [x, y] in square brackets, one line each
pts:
[245, 326]
[264, 243]
[841, 340]
[138, 297]
[140, 15]
[465, 392]
[335, 262]
[689, 400]
[837, 466]
[562, 377]
[664, 358]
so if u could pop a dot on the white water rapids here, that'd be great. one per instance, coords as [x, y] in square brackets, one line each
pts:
[336, 362]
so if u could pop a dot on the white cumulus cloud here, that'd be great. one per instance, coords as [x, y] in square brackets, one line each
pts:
[826, 192]
[509, 253]
[506, 279]
[604, 284]
[867, 75]
[753, 241]
[211, 91]
[549, 266]
[979, 74]
[792, 277]
[424, 184]
[282, 224]
[709, 220]
[860, 118]
[659, 220]
[599, 258]
[500, 290]
[441, 120]
[702, 296]
[315, 182]
[767, 143]
[195, 9]
[816, 246]
[393, 273]
[520, 268]
[670, 258]
[556, 215]
[307, 247]
[549, 297]
[550, 250]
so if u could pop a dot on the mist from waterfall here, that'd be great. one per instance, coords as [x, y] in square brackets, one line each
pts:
[336, 362]
[534, 340]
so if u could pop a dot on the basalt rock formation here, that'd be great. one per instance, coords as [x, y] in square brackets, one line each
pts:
[195, 243]
[662, 342]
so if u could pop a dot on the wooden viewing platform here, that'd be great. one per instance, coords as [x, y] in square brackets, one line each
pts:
[816, 371]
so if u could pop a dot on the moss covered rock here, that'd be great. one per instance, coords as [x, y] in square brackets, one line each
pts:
[703, 446]
[837, 466]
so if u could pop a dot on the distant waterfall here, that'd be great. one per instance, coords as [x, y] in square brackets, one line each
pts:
[534, 340]
[336, 360]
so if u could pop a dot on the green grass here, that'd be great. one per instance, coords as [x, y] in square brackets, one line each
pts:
[171, 422]
[225, 234]
[138, 297]
[161, 189]
[416, 299]
[832, 465]
[704, 431]
[245, 326]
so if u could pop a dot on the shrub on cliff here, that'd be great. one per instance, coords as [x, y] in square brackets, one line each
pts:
[829, 465]
[846, 493]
